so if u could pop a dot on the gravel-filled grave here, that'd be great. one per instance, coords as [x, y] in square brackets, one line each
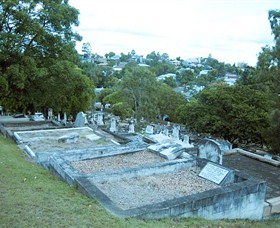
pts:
[47, 140]
[139, 191]
[116, 162]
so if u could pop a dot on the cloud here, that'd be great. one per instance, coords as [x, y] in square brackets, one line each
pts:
[231, 31]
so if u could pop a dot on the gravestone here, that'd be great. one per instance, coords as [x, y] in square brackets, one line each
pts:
[217, 174]
[81, 120]
[186, 139]
[113, 126]
[166, 131]
[100, 121]
[64, 121]
[176, 133]
[210, 150]
[149, 130]
[131, 128]
[58, 117]
[50, 113]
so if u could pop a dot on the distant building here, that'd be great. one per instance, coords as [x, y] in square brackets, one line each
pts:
[230, 79]
[119, 66]
[164, 76]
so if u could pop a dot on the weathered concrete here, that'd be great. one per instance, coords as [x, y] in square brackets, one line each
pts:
[241, 199]
[260, 170]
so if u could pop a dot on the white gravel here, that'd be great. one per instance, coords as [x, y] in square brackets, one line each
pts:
[134, 192]
[116, 162]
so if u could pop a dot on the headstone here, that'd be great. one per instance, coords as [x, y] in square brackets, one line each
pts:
[176, 133]
[131, 128]
[149, 130]
[80, 120]
[100, 119]
[58, 117]
[50, 112]
[186, 141]
[113, 126]
[64, 121]
[69, 138]
[166, 131]
[95, 115]
[210, 150]
[217, 174]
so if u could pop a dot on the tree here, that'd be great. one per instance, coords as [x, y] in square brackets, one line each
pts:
[139, 88]
[170, 81]
[169, 101]
[34, 37]
[232, 112]
[186, 77]
[268, 77]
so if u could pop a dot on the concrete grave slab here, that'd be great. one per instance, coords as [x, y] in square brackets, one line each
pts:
[140, 193]
[44, 143]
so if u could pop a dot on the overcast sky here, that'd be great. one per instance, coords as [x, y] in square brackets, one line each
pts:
[231, 30]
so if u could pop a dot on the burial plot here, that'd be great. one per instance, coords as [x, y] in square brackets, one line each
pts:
[210, 150]
[43, 143]
[217, 174]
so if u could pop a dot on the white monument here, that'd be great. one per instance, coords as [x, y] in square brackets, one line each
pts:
[100, 121]
[64, 121]
[149, 130]
[113, 127]
[131, 128]
[176, 133]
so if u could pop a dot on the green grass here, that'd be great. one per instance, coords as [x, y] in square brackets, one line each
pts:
[30, 196]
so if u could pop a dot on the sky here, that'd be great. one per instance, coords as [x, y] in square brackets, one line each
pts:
[231, 31]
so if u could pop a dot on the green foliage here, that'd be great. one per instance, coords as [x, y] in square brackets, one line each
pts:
[231, 112]
[38, 59]
[215, 64]
[186, 77]
[139, 88]
[267, 78]
[169, 101]
[122, 110]
[170, 81]
[139, 94]
[104, 93]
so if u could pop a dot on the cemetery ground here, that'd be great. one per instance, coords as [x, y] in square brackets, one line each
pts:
[30, 196]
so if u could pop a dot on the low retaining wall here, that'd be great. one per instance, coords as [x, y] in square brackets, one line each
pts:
[236, 200]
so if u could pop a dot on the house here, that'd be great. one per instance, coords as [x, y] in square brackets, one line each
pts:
[203, 72]
[164, 76]
[175, 62]
[230, 79]
[119, 66]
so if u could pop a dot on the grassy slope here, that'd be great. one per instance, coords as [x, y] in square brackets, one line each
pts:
[32, 197]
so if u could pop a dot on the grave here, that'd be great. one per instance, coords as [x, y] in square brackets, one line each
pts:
[160, 189]
[100, 121]
[113, 125]
[210, 149]
[149, 130]
[80, 120]
[176, 132]
[131, 181]
[64, 121]
[69, 138]
[131, 128]
[43, 143]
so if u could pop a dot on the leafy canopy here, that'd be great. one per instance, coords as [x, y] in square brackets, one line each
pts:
[36, 37]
